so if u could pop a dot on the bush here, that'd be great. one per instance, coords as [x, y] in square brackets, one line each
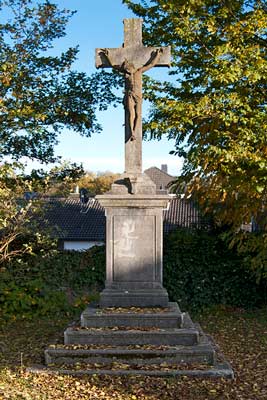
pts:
[199, 271]
[78, 270]
[29, 298]
[53, 283]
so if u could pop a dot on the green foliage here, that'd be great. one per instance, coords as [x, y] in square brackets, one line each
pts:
[22, 223]
[18, 217]
[39, 93]
[252, 248]
[34, 276]
[79, 270]
[200, 271]
[51, 282]
[97, 183]
[29, 298]
[214, 105]
[58, 181]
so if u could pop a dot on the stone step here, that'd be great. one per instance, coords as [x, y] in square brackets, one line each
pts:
[202, 359]
[169, 337]
[202, 353]
[168, 317]
[219, 370]
[136, 343]
[157, 297]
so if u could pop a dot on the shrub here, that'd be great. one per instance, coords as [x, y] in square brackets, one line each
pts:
[199, 271]
[43, 284]
[77, 270]
[29, 298]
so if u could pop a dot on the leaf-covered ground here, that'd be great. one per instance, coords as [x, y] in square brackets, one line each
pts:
[241, 336]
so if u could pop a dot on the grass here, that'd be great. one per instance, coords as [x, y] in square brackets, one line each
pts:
[241, 335]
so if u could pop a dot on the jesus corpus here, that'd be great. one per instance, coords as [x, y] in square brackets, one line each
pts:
[132, 100]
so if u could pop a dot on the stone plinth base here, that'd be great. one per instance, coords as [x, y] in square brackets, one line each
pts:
[134, 298]
[136, 341]
[134, 250]
[99, 318]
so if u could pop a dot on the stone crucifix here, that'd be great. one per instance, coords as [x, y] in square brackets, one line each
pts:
[132, 60]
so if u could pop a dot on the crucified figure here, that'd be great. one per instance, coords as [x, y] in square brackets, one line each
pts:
[132, 100]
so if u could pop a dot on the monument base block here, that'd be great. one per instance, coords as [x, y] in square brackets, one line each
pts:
[134, 298]
[134, 250]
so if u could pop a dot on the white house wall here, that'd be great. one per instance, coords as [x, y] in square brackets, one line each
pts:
[80, 246]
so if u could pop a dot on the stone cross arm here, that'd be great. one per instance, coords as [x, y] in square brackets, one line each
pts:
[132, 50]
[134, 55]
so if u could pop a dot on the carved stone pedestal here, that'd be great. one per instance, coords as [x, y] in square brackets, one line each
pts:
[134, 250]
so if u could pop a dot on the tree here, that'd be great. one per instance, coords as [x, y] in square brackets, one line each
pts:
[58, 181]
[23, 229]
[97, 183]
[39, 96]
[18, 216]
[214, 105]
[39, 93]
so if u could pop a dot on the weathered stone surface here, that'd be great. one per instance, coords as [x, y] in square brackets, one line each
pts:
[139, 52]
[139, 184]
[93, 317]
[133, 251]
[162, 361]
[134, 297]
[133, 211]
[172, 336]
[219, 370]
[201, 353]
[133, 49]
[146, 351]
[141, 201]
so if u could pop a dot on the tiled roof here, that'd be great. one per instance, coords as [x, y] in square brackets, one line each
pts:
[184, 214]
[160, 178]
[77, 222]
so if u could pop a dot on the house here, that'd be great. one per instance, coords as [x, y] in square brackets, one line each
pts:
[160, 177]
[79, 221]
[183, 213]
[79, 225]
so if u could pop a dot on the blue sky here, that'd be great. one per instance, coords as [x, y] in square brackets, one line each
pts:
[98, 23]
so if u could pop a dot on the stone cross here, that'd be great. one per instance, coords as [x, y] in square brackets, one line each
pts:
[132, 60]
